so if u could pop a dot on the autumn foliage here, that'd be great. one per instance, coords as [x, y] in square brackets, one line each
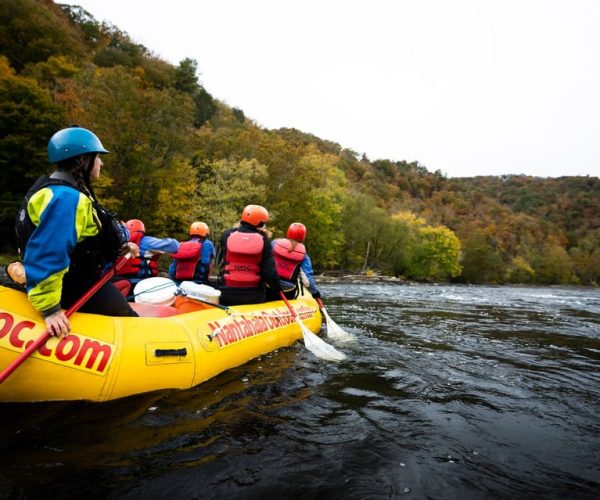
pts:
[179, 155]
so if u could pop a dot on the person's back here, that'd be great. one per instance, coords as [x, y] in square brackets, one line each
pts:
[193, 260]
[247, 266]
[288, 255]
[292, 262]
[151, 248]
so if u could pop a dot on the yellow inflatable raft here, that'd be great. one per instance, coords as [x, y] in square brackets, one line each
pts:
[176, 347]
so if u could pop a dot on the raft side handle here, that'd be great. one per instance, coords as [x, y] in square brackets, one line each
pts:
[159, 353]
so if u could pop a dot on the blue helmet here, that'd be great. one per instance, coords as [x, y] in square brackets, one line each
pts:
[71, 142]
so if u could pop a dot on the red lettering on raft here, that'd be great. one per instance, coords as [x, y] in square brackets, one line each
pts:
[72, 349]
[231, 331]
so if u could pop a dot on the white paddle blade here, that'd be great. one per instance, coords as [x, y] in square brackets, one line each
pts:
[319, 347]
[334, 331]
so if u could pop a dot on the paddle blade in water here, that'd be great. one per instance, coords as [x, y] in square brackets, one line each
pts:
[334, 331]
[319, 347]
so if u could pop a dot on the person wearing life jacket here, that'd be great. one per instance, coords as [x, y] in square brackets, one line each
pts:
[65, 237]
[151, 248]
[246, 262]
[292, 262]
[193, 261]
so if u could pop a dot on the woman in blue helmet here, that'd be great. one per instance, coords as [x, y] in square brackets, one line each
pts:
[65, 237]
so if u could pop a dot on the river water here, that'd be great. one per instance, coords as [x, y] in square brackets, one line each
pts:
[448, 392]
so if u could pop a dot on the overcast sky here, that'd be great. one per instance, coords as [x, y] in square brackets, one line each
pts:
[467, 87]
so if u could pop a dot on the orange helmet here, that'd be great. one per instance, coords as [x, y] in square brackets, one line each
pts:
[199, 229]
[255, 215]
[296, 231]
[135, 226]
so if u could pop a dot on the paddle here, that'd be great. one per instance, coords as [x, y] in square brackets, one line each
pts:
[334, 331]
[37, 343]
[317, 346]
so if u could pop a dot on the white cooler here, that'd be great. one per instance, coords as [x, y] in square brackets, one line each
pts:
[158, 291]
[201, 292]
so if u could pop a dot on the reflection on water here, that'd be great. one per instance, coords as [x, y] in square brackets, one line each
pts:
[447, 392]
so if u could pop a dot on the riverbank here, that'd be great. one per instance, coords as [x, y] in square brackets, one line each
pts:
[339, 277]
[336, 277]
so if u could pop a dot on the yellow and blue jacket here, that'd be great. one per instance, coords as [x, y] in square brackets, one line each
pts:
[61, 217]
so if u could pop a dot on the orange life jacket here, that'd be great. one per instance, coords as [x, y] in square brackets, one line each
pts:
[286, 259]
[243, 260]
[186, 259]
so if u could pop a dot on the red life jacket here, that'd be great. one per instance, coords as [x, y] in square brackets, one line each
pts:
[186, 259]
[134, 265]
[286, 259]
[243, 260]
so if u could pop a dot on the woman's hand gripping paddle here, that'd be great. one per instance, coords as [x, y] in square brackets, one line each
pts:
[334, 331]
[314, 344]
[37, 343]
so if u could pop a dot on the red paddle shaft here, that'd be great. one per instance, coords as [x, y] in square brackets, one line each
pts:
[37, 343]
[289, 306]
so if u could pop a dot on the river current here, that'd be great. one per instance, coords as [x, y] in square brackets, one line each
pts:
[447, 392]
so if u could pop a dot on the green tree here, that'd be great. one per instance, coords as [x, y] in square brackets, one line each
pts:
[401, 242]
[32, 31]
[119, 49]
[519, 271]
[186, 81]
[52, 73]
[146, 131]
[438, 254]
[160, 73]
[554, 265]
[417, 250]
[177, 199]
[29, 118]
[364, 224]
[225, 188]
[314, 193]
[586, 259]
[239, 115]
[94, 33]
[482, 263]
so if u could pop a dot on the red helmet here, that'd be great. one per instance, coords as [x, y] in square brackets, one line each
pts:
[199, 229]
[135, 226]
[255, 215]
[296, 231]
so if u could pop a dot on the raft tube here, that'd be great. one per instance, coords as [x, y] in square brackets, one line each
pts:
[176, 347]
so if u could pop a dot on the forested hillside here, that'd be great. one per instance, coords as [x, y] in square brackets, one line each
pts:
[178, 154]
